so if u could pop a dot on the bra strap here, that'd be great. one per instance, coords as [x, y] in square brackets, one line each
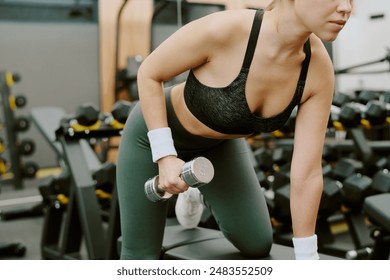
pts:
[306, 62]
[252, 42]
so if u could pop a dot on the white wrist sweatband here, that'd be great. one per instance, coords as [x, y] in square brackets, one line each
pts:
[305, 248]
[161, 143]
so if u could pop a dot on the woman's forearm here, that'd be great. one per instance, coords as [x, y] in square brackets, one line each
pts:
[304, 203]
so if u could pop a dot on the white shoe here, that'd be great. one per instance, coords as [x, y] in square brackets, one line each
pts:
[189, 208]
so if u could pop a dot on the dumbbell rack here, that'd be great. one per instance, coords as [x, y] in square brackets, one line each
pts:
[7, 80]
[83, 218]
[363, 150]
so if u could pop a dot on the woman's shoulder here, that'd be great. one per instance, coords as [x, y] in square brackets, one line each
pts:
[321, 68]
[227, 24]
[319, 50]
[320, 54]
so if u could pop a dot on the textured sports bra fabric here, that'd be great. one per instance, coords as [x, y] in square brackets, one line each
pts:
[226, 109]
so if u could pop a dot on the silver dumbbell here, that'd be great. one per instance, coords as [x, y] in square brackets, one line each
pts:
[195, 173]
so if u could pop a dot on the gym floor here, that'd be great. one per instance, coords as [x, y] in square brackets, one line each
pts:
[23, 230]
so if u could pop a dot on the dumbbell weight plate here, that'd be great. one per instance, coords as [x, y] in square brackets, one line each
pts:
[153, 191]
[121, 110]
[22, 124]
[198, 172]
[30, 169]
[13, 249]
[27, 147]
[87, 114]
[20, 101]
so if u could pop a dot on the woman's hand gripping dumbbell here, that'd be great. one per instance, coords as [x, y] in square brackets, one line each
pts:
[195, 173]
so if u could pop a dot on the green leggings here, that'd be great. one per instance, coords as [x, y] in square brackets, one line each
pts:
[234, 195]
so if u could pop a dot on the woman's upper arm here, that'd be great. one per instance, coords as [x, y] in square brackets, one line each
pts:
[312, 119]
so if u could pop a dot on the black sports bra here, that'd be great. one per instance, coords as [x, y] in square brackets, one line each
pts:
[226, 109]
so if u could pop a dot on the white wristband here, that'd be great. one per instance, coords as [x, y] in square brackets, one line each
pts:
[161, 143]
[305, 248]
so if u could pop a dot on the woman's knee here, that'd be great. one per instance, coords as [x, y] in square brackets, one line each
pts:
[253, 240]
[258, 247]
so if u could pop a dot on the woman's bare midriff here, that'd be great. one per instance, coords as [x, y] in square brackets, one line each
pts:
[189, 121]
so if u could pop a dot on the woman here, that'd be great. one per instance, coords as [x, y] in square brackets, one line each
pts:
[248, 71]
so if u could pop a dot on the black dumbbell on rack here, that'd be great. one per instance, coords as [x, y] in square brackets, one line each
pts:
[13, 125]
[119, 113]
[371, 115]
[85, 118]
[17, 101]
[21, 123]
[26, 147]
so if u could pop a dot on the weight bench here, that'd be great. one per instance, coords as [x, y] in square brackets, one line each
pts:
[210, 244]
[377, 208]
[221, 249]
[175, 236]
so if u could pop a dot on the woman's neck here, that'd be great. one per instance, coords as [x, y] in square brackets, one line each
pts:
[283, 34]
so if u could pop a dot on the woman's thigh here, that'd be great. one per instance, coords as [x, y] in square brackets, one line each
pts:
[235, 198]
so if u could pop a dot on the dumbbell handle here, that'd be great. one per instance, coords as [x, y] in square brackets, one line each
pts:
[358, 254]
[195, 173]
